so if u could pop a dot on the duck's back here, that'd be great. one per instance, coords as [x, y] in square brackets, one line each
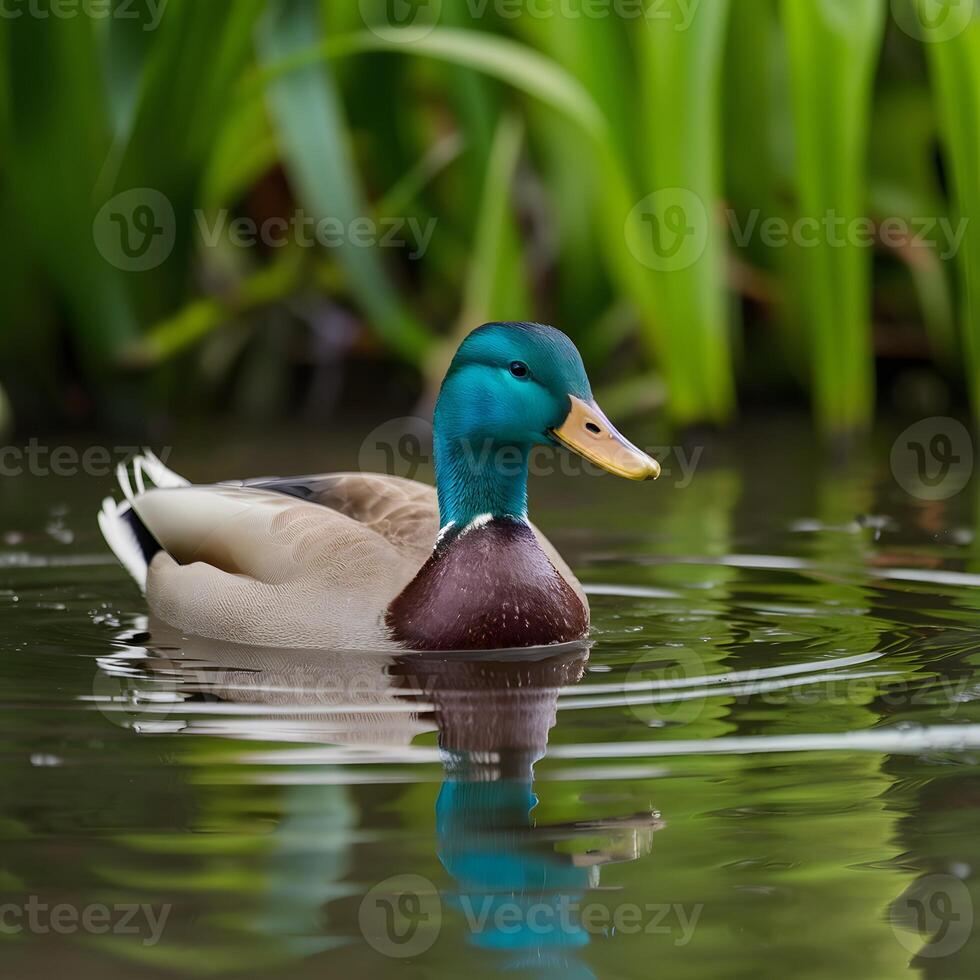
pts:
[307, 562]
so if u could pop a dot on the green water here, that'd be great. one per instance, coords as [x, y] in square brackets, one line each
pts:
[766, 765]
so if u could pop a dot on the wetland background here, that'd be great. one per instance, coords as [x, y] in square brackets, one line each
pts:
[249, 235]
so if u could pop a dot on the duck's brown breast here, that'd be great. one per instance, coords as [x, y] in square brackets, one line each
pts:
[484, 588]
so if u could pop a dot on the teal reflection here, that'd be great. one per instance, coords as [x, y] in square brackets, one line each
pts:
[517, 886]
[516, 892]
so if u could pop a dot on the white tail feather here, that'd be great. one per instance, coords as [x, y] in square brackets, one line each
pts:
[119, 536]
[122, 475]
[150, 465]
[116, 529]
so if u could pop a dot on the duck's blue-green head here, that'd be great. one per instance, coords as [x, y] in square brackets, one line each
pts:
[512, 386]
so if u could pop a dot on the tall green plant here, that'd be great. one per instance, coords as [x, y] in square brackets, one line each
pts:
[681, 90]
[833, 50]
[58, 135]
[955, 69]
[315, 147]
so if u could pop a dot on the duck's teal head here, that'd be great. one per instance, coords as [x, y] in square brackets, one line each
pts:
[512, 386]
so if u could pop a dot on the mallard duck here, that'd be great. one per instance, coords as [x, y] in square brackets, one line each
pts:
[361, 561]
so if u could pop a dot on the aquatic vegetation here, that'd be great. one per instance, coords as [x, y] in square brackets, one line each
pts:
[728, 198]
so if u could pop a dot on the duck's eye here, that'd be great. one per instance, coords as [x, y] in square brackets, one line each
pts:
[519, 369]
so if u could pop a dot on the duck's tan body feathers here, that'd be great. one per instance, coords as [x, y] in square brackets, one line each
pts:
[306, 562]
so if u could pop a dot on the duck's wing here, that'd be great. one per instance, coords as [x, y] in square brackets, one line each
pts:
[404, 512]
[303, 561]
[258, 567]
[255, 565]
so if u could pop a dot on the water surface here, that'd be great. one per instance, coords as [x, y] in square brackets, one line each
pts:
[765, 764]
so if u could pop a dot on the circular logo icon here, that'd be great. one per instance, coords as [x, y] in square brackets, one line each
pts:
[668, 230]
[932, 21]
[401, 916]
[398, 447]
[402, 21]
[671, 690]
[132, 698]
[135, 230]
[933, 917]
[933, 459]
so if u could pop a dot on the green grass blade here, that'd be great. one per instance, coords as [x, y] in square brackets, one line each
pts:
[496, 284]
[496, 287]
[58, 135]
[543, 79]
[596, 53]
[906, 186]
[748, 101]
[499, 57]
[674, 226]
[955, 68]
[314, 142]
[833, 50]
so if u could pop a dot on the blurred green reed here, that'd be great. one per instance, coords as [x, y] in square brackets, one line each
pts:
[832, 51]
[614, 175]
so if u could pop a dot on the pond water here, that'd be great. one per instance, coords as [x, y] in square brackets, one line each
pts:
[766, 763]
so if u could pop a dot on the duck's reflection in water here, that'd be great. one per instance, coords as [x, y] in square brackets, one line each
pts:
[517, 887]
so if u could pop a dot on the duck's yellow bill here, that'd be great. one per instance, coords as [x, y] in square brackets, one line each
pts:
[588, 432]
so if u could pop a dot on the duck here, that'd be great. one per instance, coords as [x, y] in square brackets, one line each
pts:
[367, 561]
